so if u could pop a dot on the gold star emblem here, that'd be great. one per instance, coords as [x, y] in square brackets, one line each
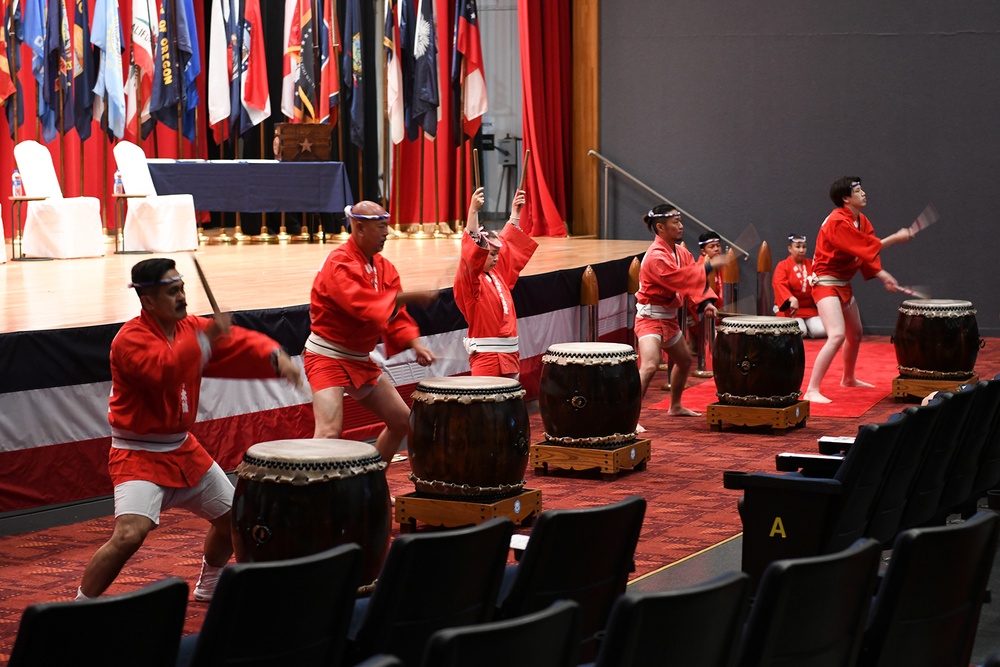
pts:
[306, 146]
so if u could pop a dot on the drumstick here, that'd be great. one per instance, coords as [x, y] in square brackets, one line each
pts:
[926, 218]
[204, 284]
[475, 167]
[524, 169]
[913, 291]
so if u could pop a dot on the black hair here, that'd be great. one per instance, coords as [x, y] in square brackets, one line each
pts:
[708, 237]
[149, 272]
[657, 211]
[842, 187]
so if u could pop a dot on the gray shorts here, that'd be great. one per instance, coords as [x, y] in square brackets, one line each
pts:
[210, 498]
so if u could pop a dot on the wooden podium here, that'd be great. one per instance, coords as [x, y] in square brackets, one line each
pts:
[789, 416]
[451, 513]
[916, 388]
[611, 461]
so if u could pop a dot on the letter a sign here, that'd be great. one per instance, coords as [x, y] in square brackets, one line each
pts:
[778, 528]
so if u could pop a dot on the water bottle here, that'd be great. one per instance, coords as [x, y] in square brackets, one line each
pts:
[16, 187]
[119, 187]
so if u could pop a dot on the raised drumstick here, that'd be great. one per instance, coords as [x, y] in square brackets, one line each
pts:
[913, 291]
[926, 218]
[475, 167]
[204, 285]
[524, 168]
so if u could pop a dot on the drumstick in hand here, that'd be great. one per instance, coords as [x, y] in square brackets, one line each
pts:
[475, 167]
[926, 218]
[913, 291]
[204, 285]
[524, 168]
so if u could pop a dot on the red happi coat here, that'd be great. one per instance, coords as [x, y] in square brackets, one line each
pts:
[353, 302]
[843, 247]
[155, 387]
[791, 279]
[485, 300]
[667, 274]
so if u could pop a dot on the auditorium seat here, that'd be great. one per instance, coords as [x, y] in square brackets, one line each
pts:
[55, 227]
[700, 625]
[792, 515]
[292, 612]
[811, 611]
[927, 608]
[988, 469]
[584, 555]
[546, 638]
[142, 627]
[431, 581]
[890, 501]
[922, 503]
[158, 223]
[965, 463]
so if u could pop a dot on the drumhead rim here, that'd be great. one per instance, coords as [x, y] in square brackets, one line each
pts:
[310, 450]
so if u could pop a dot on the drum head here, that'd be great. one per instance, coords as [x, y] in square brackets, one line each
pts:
[303, 461]
[589, 354]
[754, 324]
[467, 389]
[937, 307]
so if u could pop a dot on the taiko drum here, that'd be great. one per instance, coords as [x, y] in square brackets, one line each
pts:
[936, 339]
[468, 437]
[758, 361]
[299, 497]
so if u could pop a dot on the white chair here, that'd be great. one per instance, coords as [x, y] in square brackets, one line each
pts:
[160, 223]
[55, 227]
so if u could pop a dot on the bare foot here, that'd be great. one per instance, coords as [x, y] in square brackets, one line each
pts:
[815, 397]
[681, 411]
[639, 428]
[854, 383]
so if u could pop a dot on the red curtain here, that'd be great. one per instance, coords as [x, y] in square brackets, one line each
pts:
[97, 162]
[544, 29]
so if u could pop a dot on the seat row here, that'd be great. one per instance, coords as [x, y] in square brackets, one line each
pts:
[807, 611]
[918, 468]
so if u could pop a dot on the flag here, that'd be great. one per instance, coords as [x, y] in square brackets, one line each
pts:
[237, 114]
[34, 35]
[394, 73]
[219, 76]
[7, 87]
[190, 62]
[63, 102]
[139, 82]
[254, 97]
[107, 36]
[83, 72]
[13, 32]
[423, 108]
[304, 34]
[467, 76]
[353, 71]
[329, 75]
[291, 56]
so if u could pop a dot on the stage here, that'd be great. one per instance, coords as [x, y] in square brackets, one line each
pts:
[60, 316]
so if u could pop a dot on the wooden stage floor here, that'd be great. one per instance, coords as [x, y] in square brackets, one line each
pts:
[57, 294]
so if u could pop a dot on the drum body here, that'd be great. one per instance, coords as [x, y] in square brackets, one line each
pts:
[299, 497]
[936, 339]
[468, 437]
[590, 394]
[758, 361]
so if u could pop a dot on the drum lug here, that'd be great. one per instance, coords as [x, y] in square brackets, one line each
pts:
[261, 534]
[521, 444]
[745, 366]
[579, 402]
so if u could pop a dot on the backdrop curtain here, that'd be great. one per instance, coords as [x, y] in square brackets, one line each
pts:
[544, 29]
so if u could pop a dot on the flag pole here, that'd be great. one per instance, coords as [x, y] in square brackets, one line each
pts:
[265, 235]
[62, 132]
[108, 238]
[437, 192]
[420, 233]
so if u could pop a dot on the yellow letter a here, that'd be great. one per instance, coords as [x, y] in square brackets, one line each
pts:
[778, 528]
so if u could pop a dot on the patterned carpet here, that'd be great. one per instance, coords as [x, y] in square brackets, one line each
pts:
[688, 509]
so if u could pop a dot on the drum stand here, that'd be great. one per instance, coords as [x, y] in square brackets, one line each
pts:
[610, 462]
[790, 416]
[521, 509]
[917, 388]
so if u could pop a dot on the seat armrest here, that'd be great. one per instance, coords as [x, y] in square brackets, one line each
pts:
[811, 465]
[834, 444]
[732, 479]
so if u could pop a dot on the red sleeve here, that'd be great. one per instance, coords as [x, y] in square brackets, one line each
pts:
[779, 281]
[858, 242]
[517, 249]
[141, 356]
[242, 354]
[470, 268]
[401, 328]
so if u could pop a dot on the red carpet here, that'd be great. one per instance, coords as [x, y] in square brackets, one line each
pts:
[688, 510]
[876, 365]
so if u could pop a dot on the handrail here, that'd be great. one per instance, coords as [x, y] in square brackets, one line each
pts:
[608, 164]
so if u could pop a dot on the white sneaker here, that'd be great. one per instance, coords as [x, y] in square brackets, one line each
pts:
[209, 577]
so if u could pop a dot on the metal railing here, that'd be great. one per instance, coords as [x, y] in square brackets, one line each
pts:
[609, 165]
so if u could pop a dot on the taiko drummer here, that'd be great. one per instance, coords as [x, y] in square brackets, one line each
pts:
[157, 362]
[487, 272]
[357, 298]
[667, 276]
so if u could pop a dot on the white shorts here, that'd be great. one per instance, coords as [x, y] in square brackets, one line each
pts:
[210, 499]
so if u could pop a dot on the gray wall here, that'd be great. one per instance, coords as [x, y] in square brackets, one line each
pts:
[743, 113]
